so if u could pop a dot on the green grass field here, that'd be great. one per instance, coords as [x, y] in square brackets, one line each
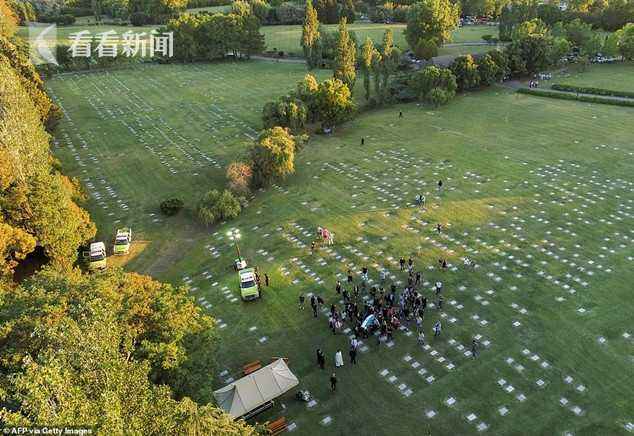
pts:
[618, 77]
[287, 38]
[539, 192]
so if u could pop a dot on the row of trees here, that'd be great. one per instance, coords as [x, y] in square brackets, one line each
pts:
[609, 16]
[204, 37]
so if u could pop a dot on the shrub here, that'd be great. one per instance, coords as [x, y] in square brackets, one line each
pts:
[140, 19]
[239, 176]
[575, 97]
[171, 206]
[594, 91]
[217, 206]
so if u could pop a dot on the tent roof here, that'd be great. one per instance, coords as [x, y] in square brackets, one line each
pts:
[256, 389]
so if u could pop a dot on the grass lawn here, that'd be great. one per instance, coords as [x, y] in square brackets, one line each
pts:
[617, 76]
[287, 38]
[535, 192]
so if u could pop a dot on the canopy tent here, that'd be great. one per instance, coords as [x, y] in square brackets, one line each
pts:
[256, 389]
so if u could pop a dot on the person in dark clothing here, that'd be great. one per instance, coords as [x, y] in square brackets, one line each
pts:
[321, 359]
[402, 262]
[267, 281]
[439, 185]
[439, 228]
[338, 287]
[333, 382]
[362, 141]
[400, 114]
[349, 276]
[301, 301]
[312, 247]
[313, 304]
[353, 355]
[474, 348]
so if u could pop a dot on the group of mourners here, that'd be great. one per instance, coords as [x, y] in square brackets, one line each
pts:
[384, 312]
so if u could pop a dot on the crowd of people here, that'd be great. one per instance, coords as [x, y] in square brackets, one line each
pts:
[383, 311]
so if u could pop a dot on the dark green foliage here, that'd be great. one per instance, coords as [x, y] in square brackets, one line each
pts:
[569, 96]
[171, 206]
[594, 91]
[213, 36]
[217, 206]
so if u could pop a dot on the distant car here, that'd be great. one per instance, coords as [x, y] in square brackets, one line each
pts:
[249, 289]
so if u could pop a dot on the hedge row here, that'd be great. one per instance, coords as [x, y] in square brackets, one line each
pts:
[594, 91]
[565, 96]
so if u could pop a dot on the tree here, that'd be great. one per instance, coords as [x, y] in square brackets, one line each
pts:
[514, 13]
[334, 102]
[389, 61]
[366, 65]
[15, 244]
[431, 19]
[434, 85]
[217, 206]
[488, 70]
[306, 91]
[239, 176]
[288, 112]
[466, 71]
[426, 48]
[98, 350]
[529, 28]
[610, 46]
[273, 156]
[345, 57]
[626, 41]
[501, 60]
[328, 11]
[310, 35]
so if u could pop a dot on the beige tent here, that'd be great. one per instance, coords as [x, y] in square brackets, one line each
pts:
[256, 389]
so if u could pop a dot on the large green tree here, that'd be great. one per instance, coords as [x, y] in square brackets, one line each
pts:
[466, 71]
[345, 56]
[431, 20]
[626, 41]
[310, 35]
[273, 156]
[334, 102]
[102, 350]
[367, 51]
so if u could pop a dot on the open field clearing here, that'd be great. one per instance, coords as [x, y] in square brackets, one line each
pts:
[538, 194]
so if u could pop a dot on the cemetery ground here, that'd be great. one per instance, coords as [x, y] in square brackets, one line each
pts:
[538, 192]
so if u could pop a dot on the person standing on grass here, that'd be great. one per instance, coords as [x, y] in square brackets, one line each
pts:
[419, 276]
[312, 247]
[338, 287]
[402, 263]
[421, 338]
[439, 228]
[349, 276]
[365, 273]
[267, 281]
[437, 328]
[438, 289]
[400, 114]
[313, 304]
[321, 359]
[474, 348]
[410, 264]
[439, 186]
[353, 355]
[333, 382]
[338, 359]
[362, 141]
[439, 302]
[301, 301]
[320, 302]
